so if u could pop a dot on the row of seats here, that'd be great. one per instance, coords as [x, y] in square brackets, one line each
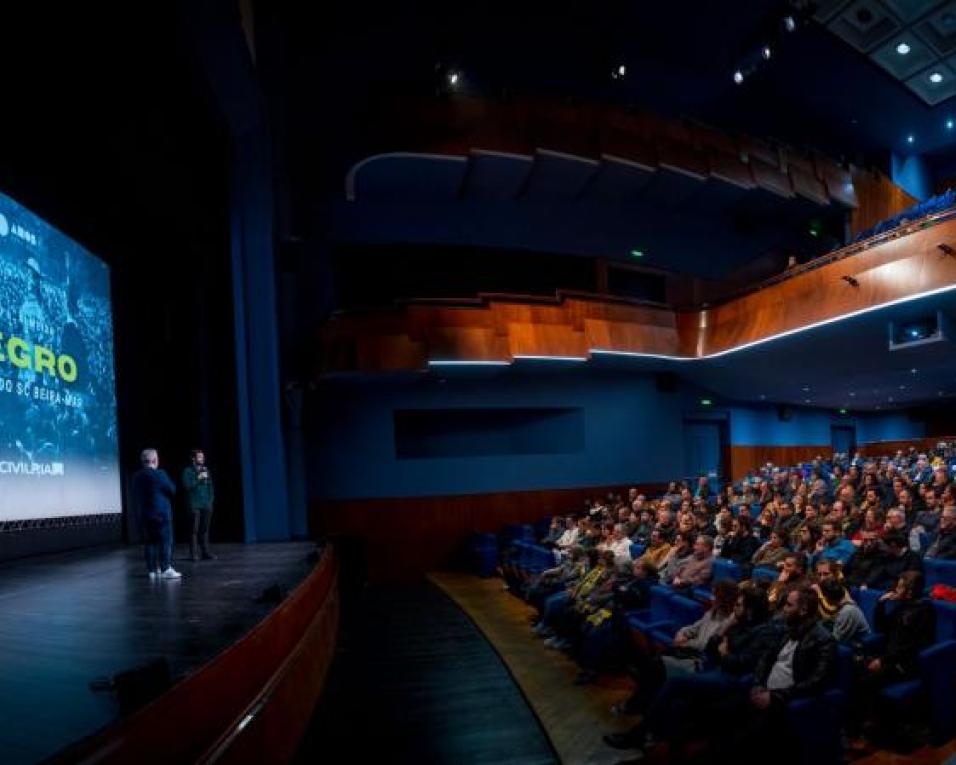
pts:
[931, 206]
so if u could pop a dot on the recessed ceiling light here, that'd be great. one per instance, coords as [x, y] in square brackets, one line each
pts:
[789, 23]
[936, 77]
[766, 52]
[806, 388]
[852, 394]
[738, 77]
[902, 387]
[950, 124]
[453, 78]
[914, 370]
[910, 138]
[806, 401]
[621, 70]
[903, 48]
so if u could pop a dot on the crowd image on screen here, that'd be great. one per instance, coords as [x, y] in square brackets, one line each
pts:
[833, 581]
[62, 310]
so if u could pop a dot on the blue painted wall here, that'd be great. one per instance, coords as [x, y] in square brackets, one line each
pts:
[912, 174]
[632, 433]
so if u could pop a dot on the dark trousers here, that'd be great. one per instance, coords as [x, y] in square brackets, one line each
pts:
[159, 543]
[200, 532]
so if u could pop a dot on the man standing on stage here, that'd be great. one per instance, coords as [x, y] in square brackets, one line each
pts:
[153, 493]
[200, 494]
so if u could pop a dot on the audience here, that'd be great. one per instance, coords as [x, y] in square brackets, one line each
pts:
[874, 520]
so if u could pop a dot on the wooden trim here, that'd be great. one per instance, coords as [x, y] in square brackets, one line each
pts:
[745, 459]
[275, 672]
[406, 537]
[893, 270]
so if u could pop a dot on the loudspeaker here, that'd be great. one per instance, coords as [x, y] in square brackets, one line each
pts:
[784, 412]
[665, 382]
[136, 687]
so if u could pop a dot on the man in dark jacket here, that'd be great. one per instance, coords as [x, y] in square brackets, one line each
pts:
[200, 494]
[866, 567]
[899, 559]
[801, 664]
[153, 492]
[943, 545]
[908, 628]
[741, 545]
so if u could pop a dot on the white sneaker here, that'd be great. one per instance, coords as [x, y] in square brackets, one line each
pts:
[170, 573]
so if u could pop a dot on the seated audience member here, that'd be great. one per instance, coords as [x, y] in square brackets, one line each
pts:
[773, 551]
[840, 614]
[802, 664]
[741, 545]
[703, 524]
[556, 581]
[556, 529]
[672, 495]
[691, 641]
[642, 531]
[943, 545]
[806, 543]
[571, 534]
[898, 559]
[827, 569]
[874, 519]
[832, 545]
[787, 521]
[620, 545]
[793, 571]
[866, 567]
[908, 628]
[657, 550]
[765, 524]
[665, 522]
[697, 569]
[724, 526]
[681, 550]
[896, 521]
[566, 621]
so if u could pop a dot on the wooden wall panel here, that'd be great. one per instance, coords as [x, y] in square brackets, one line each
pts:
[744, 459]
[881, 448]
[498, 327]
[406, 537]
[878, 199]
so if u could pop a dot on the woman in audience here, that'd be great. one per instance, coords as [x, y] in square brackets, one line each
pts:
[773, 551]
[681, 550]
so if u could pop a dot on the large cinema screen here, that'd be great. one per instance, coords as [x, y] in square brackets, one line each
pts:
[58, 441]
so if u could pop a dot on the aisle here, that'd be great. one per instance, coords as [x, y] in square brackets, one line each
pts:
[574, 716]
[416, 682]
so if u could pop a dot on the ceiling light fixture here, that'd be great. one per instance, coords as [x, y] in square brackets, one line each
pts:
[621, 70]
[738, 77]
[903, 48]
[936, 77]
[453, 78]
[910, 138]
[789, 23]
[950, 123]
[766, 52]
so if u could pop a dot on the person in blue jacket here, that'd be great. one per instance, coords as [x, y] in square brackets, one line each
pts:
[153, 491]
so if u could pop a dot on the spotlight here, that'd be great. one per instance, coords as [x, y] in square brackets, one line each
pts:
[453, 78]
[936, 77]
[765, 52]
[902, 48]
[850, 280]
[789, 23]
[738, 77]
[950, 124]
[621, 70]
[910, 138]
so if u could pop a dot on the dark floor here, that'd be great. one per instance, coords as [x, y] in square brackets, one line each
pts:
[69, 618]
[416, 682]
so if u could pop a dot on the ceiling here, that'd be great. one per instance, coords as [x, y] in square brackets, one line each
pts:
[913, 40]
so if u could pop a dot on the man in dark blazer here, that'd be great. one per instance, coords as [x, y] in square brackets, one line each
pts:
[153, 492]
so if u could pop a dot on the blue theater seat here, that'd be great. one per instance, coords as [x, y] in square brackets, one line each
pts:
[657, 612]
[940, 572]
[727, 569]
[681, 612]
[637, 550]
[817, 721]
[767, 573]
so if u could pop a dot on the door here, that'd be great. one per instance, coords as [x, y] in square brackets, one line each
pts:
[702, 447]
[843, 438]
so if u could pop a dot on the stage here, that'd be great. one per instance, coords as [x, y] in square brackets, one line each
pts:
[70, 618]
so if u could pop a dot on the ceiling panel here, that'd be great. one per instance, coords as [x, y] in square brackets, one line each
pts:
[934, 92]
[865, 24]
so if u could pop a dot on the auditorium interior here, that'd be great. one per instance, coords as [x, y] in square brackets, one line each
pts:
[577, 382]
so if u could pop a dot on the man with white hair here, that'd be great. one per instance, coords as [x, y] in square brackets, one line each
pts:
[153, 492]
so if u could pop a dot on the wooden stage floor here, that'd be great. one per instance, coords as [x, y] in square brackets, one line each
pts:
[66, 619]
[575, 717]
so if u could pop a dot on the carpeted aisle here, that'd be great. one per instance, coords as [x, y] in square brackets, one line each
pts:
[574, 717]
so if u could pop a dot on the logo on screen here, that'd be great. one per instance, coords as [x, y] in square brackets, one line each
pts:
[4, 226]
[32, 468]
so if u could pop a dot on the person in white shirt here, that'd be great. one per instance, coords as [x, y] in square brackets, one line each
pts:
[620, 545]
